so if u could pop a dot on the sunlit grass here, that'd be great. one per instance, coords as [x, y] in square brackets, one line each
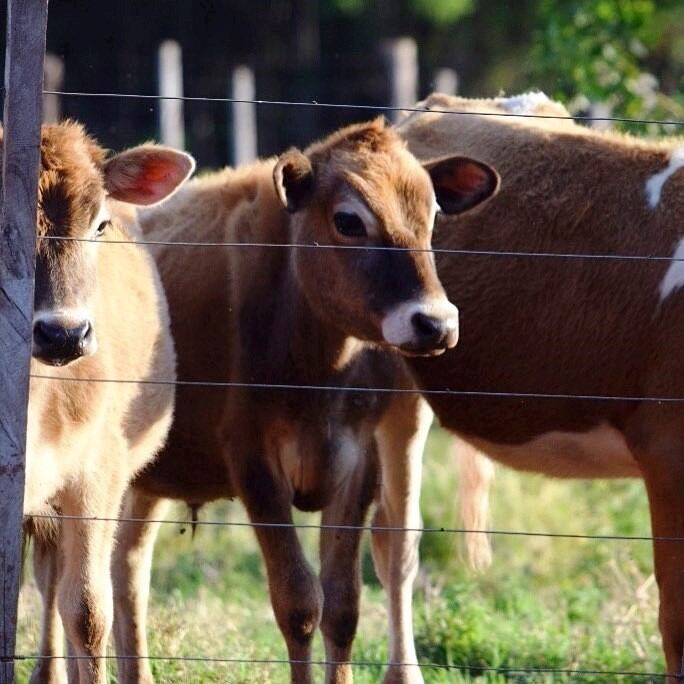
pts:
[545, 603]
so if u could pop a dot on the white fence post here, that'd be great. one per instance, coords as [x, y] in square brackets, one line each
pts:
[601, 110]
[53, 78]
[24, 54]
[244, 133]
[170, 76]
[401, 55]
[446, 81]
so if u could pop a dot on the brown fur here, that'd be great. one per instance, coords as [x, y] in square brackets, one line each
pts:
[554, 325]
[290, 316]
[85, 440]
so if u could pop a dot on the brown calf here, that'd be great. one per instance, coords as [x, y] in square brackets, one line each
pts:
[596, 327]
[99, 313]
[298, 316]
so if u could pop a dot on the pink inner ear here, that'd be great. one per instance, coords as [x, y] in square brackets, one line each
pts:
[466, 177]
[147, 176]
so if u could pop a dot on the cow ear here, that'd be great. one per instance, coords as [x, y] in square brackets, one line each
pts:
[147, 174]
[461, 183]
[293, 177]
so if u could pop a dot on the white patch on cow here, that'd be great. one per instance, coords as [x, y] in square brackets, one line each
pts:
[346, 455]
[351, 203]
[525, 103]
[599, 452]
[674, 277]
[397, 326]
[66, 317]
[433, 213]
[654, 185]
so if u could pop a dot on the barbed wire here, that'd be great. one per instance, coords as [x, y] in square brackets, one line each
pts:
[372, 390]
[366, 107]
[354, 528]
[368, 248]
[355, 663]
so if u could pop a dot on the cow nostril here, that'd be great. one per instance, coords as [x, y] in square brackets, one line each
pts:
[427, 326]
[85, 331]
[47, 334]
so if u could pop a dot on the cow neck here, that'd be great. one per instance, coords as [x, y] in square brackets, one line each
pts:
[318, 350]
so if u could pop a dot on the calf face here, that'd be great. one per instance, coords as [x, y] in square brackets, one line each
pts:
[362, 189]
[76, 186]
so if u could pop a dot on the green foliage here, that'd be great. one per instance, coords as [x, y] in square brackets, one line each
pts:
[442, 12]
[597, 51]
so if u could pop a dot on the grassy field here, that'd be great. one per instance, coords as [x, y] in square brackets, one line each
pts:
[545, 603]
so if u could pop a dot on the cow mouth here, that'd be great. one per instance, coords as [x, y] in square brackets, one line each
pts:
[411, 351]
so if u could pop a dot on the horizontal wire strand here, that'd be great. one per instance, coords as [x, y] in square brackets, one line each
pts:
[367, 107]
[354, 663]
[585, 672]
[368, 248]
[354, 528]
[372, 390]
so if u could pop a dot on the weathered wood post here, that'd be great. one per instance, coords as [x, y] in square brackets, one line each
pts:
[401, 57]
[244, 133]
[25, 49]
[53, 76]
[170, 75]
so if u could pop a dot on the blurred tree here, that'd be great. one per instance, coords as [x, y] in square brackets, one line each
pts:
[588, 51]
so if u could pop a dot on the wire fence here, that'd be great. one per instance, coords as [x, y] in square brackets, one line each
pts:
[474, 668]
[479, 669]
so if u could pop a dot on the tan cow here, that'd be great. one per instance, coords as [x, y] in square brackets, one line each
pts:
[569, 326]
[99, 314]
[326, 317]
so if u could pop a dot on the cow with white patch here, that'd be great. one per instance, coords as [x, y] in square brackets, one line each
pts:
[100, 313]
[592, 327]
[328, 318]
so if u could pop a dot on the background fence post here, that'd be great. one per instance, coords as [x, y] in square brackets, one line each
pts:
[446, 81]
[25, 51]
[601, 110]
[401, 56]
[244, 133]
[53, 76]
[170, 75]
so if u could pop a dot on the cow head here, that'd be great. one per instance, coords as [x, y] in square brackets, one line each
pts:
[76, 187]
[361, 192]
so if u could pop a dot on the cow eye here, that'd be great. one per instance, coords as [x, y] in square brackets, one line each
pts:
[101, 228]
[349, 225]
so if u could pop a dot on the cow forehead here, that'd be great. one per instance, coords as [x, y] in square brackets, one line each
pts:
[395, 186]
[71, 184]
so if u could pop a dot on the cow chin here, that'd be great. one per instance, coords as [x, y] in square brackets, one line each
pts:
[413, 352]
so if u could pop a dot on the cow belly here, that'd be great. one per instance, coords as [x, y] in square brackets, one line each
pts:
[597, 453]
[317, 470]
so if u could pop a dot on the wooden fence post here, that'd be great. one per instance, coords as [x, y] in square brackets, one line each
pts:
[244, 133]
[53, 76]
[25, 50]
[170, 75]
[401, 56]
[446, 81]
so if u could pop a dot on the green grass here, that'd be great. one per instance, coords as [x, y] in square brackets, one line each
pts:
[545, 603]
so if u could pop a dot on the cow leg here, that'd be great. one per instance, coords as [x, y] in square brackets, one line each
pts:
[85, 587]
[51, 669]
[131, 568]
[295, 591]
[340, 565]
[656, 437]
[401, 439]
